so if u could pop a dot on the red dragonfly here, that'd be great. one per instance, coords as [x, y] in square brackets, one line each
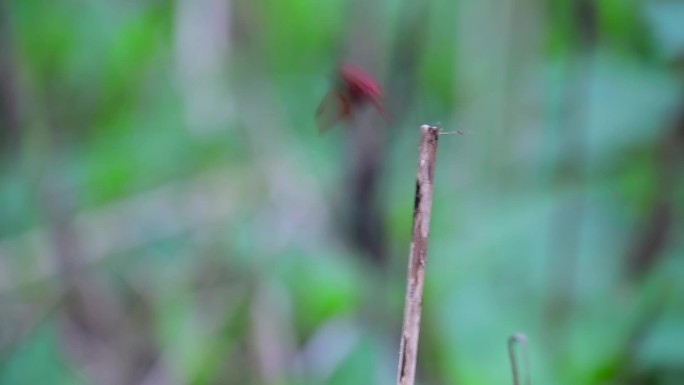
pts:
[353, 90]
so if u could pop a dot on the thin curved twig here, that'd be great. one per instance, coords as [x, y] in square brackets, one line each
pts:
[519, 339]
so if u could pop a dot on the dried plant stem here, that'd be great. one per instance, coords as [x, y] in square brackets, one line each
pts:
[521, 340]
[418, 252]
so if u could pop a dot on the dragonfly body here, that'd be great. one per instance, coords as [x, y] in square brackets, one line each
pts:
[353, 90]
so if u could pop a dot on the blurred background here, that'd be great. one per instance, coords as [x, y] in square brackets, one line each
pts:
[169, 213]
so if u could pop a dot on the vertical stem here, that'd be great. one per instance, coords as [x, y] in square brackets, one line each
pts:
[521, 340]
[417, 255]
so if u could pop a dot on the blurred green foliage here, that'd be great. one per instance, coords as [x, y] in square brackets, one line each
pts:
[169, 214]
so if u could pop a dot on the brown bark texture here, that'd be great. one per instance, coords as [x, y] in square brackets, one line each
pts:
[417, 255]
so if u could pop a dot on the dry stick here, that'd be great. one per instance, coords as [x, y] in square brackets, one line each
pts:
[416, 267]
[519, 339]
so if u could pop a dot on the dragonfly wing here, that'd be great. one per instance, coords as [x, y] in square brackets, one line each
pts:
[332, 109]
[381, 111]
